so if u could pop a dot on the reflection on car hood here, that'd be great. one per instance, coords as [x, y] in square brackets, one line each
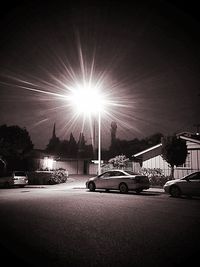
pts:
[92, 178]
[172, 181]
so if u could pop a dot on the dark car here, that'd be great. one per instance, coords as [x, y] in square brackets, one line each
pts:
[15, 178]
[187, 185]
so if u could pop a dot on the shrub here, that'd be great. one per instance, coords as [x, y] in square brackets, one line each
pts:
[155, 175]
[47, 177]
[119, 161]
[58, 177]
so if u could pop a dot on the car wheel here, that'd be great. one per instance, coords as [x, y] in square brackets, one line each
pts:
[91, 187]
[175, 191]
[138, 191]
[7, 185]
[123, 188]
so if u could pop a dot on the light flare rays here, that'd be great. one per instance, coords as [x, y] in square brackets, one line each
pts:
[55, 92]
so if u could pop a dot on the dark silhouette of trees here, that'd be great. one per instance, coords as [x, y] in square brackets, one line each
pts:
[128, 148]
[15, 145]
[62, 149]
[53, 145]
[72, 147]
[69, 148]
[84, 151]
[174, 151]
[153, 139]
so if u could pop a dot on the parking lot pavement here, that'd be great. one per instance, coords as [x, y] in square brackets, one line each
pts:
[156, 189]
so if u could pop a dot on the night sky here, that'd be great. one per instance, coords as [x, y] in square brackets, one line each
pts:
[148, 56]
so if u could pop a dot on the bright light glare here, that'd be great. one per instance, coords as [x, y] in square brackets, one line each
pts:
[48, 163]
[88, 100]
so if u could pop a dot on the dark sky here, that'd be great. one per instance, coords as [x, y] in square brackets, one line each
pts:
[147, 53]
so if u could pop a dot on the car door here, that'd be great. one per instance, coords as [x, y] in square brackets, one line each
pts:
[194, 184]
[113, 181]
[117, 178]
[103, 180]
[191, 184]
[2, 180]
[6, 179]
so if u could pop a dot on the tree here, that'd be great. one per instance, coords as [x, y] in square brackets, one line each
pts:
[15, 144]
[131, 147]
[3, 165]
[54, 143]
[81, 145]
[174, 151]
[119, 161]
[72, 148]
[154, 139]
[62, 148]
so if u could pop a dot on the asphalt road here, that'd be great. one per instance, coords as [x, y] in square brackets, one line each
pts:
[69, 226]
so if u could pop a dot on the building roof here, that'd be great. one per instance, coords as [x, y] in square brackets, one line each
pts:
[147, 150]
[185, 136]
[194, 136]
[194, 140]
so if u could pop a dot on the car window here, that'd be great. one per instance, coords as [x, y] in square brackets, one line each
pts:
[194, 176]
[132, 173]
[105, 175]
[114, 173]
[118, 173]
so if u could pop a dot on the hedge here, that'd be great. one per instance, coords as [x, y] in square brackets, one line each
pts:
[156, 176]
[47, 177]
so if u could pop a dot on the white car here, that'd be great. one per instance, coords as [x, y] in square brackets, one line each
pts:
[16, 178]
[187, 185]
[119, 180]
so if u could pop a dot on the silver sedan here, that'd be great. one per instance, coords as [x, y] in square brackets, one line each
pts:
[119, 180]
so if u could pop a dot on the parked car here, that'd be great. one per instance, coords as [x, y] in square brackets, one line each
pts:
[15, 178]
[119, 180]
[187, 185]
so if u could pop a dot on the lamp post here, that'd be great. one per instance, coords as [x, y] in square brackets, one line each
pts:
[87, 100]
[99, 143]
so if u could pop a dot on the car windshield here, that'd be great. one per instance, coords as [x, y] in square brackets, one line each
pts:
[20, 174]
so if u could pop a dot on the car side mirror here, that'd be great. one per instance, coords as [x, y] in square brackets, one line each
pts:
[187, 179]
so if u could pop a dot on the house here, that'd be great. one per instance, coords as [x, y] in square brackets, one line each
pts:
[71, 165]
[47, 161]
[151, 158]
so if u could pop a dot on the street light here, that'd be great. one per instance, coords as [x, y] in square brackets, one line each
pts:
[89, 100]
